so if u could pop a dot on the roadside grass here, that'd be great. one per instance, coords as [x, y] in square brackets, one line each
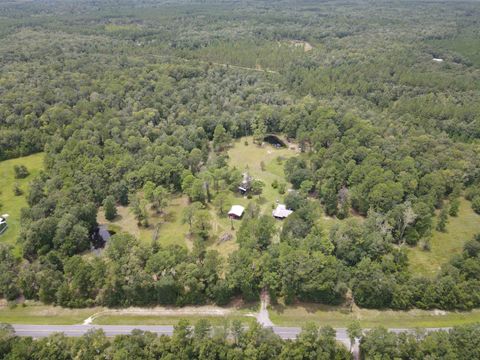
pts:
[167, 320]
[460, 229]
[299, 315]
[217, 315]
[12, 204]
[38, 314]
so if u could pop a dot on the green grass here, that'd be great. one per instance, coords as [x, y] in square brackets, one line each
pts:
[298, 315]
[12, 204]
[37, 314]
[443, 245]
[249, 157]
[171, 230]
[166, 320]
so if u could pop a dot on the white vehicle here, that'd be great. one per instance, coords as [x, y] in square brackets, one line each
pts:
[3, 223]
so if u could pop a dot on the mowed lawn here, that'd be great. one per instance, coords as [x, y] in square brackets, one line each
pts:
[299, 315]
[12, 204]
[460, 229]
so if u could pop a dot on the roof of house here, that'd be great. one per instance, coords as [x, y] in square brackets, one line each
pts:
[281, 211]
[2, 220]
[236, 210]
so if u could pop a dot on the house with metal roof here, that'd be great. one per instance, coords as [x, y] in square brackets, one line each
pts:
[281, 212]
[236, 212]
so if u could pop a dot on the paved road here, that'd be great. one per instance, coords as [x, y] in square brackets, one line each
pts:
[37, 331]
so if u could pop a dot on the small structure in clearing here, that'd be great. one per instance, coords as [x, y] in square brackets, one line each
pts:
[438, 60]
[281, 212]
[303, 44]
[236, 212]
[245, 184]
[3, 223]
[274, 140]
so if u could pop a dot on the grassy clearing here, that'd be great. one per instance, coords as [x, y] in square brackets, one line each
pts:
[171, 229]
[38, 314]
[444, 245]
[465, 46]
[298, 315]
[12, 204]
[249, 158]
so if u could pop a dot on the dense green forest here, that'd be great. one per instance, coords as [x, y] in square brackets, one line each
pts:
[135, 102]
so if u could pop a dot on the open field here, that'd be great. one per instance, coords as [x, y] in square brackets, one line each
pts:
[443, 245]
[12, 204]
[298, 315]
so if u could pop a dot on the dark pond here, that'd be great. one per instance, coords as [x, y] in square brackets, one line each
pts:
[101, 236]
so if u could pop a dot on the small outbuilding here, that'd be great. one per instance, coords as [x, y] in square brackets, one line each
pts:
[281, 212]
[3, 223]
[244, 186]
[236, 212]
